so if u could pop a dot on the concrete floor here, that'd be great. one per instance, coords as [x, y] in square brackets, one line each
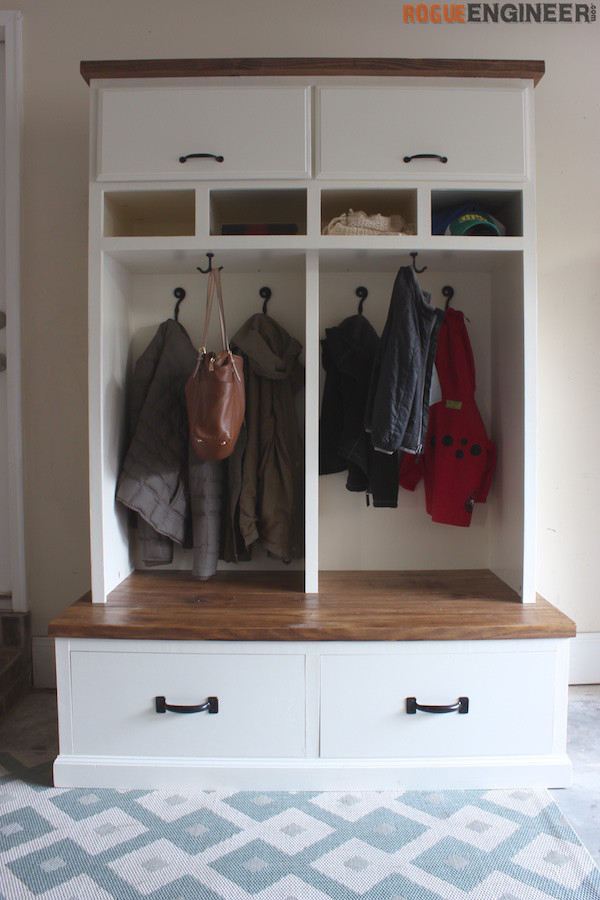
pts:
[31, 726]
[580, 803]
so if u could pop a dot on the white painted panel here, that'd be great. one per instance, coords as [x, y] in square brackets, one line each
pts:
[368, 132]
[261, 704]
[508, 553]
[109, 358]
[511, 704]
[261, 131]
[467, 773]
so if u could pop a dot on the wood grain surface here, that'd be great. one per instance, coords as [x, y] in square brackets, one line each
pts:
[433, 68]
[350, 606]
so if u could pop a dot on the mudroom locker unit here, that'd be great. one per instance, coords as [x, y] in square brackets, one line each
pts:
[330, 671]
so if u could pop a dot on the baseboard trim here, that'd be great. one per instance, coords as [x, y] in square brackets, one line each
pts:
[304, 774]
[44, 663]
[584, 666]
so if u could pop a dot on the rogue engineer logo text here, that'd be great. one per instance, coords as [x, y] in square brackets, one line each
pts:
[485, 13]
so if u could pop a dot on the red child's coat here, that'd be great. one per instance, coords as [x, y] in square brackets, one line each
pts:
[458, 459]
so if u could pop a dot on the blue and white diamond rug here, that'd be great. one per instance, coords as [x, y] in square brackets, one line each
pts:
[63, 844]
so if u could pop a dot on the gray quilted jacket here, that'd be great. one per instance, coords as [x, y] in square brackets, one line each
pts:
[177, 497]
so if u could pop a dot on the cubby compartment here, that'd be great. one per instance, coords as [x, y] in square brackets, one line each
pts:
[273, 212]
[137, 295]
[506, 207]
[488, 289]
[155, 213]
[398, 207]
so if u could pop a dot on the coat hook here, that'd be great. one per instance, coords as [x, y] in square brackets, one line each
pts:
[179, 294]
[448, 292]
[414, 259]
[265, 293]
[210, 268]
[363, 293]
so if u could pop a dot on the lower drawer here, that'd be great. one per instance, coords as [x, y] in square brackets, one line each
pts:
[261, 702]
[511, 704]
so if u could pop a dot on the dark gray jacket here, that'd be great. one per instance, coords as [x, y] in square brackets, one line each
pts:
[398, 399]
[175, 495]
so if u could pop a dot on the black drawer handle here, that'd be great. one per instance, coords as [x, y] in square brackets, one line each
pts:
[183, 159]
[211, 706]
[442, 159]
[461, 706]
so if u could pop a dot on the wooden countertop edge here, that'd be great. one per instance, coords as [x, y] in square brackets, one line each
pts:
[325, 66]
[352, 606]
[534, 623]
[313, 635]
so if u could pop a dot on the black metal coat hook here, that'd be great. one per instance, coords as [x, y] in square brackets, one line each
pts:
[448, 292]
[179, 294]
[265, 293]
[363, 293]
[414, 262]
[210, 266]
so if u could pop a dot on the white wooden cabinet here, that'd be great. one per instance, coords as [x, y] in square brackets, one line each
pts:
[302, 702]
[303, 716]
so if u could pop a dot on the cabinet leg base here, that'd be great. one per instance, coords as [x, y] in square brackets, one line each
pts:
[313, 774]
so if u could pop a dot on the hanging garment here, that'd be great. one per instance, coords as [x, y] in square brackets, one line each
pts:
[348, 354]
[398, 399]
[271, 486]
[155, 477]
[459, 459]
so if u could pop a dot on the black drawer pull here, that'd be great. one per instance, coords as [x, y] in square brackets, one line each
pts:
[442, 159]
[211, 706]
[183, 159]
[461, 706]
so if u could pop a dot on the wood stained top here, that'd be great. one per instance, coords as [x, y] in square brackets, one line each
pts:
[350, 606]
[313, 66]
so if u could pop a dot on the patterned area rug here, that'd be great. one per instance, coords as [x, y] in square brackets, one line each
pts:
[63, 844]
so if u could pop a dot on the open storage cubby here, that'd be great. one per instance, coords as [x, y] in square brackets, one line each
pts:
[504, 205]
[154, 213]
[258, 211]
[387, 202]
[343, 533]
[137, 296]
[488, 289]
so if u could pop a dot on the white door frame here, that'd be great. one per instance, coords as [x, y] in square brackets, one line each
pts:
[11, 35]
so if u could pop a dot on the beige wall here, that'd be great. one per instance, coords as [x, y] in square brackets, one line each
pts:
[59, 34]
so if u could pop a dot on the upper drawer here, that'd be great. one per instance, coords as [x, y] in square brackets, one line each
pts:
[367, 132]
[259, 132]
